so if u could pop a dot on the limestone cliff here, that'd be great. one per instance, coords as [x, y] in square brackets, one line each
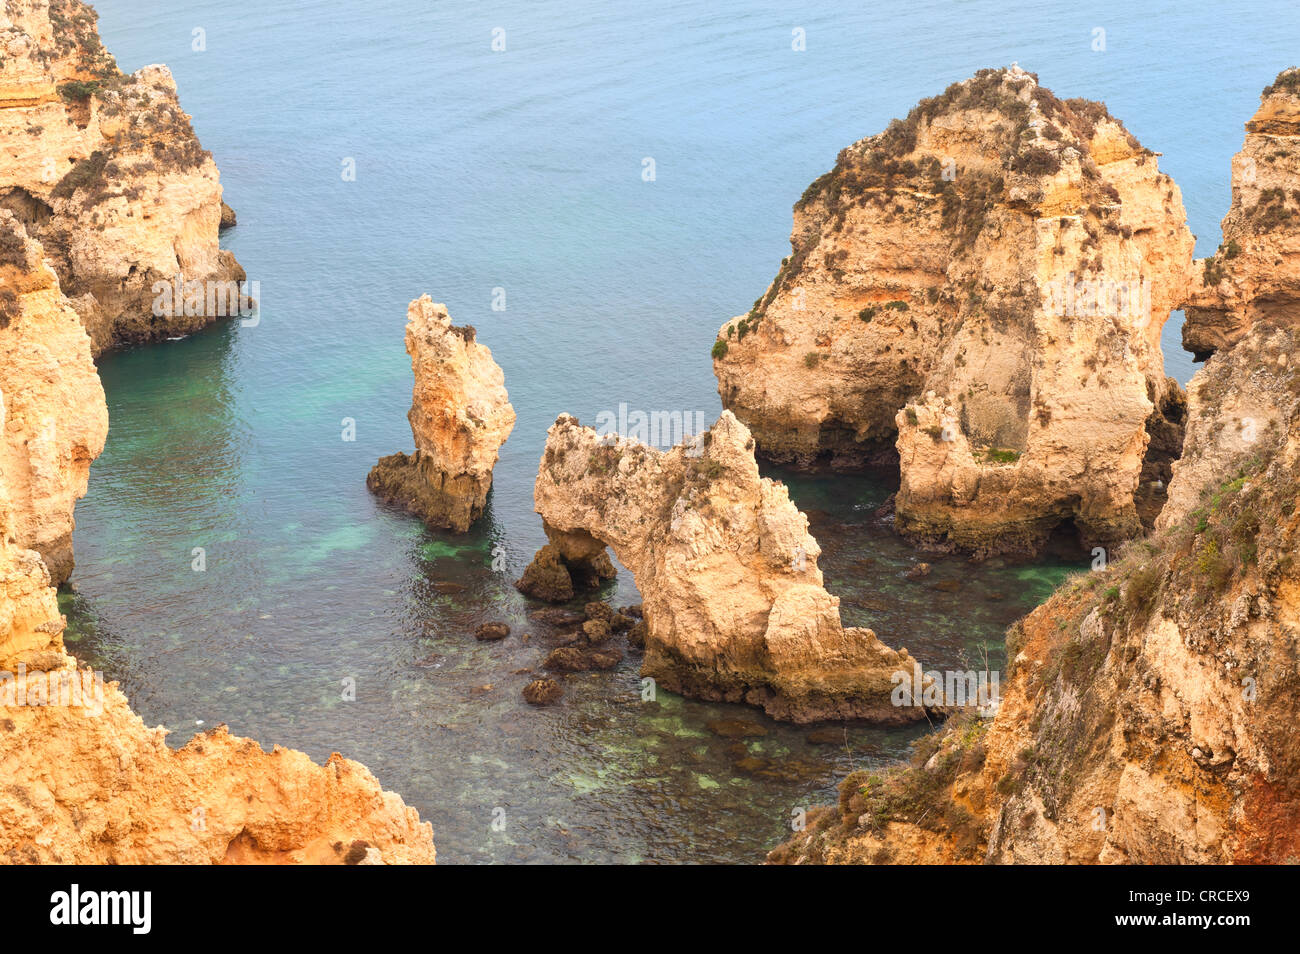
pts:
[983, 287]
[732, 595]
[1255, 273]
[1151, 710]
[53, 419]
[105, 170]
[88, 782]
[460, 416]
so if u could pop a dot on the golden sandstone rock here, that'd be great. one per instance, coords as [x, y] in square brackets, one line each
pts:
[981, 286]
[85, 781]
[460, 416]
[1255, 273]
[88, 782]
[105, 170]
[733, 599]
[52, 412]
[1149, 716]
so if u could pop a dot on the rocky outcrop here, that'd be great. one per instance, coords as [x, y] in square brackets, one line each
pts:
[734, 603]
[460, 416]
[105, 170]
[84, 780]
[1255, 273]
[981, 287]
[53, 419]
[1150, 715]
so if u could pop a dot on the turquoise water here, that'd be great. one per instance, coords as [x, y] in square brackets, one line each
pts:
[522, 170]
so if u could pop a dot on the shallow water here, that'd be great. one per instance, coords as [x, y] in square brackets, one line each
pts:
[523, 170]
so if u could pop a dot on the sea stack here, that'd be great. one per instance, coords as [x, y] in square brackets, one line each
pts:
[460, 416]
[105, 170]
[977, 292]
[733, 599]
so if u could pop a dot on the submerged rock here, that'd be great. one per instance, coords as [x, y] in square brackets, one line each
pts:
[554, 616]
[736, 729]
[460, 416]
[982, 288]
[734, 604]
[596, 631]
[542, 692]
[582, 658]
[637, 634]
[491, 632]
[558, 572]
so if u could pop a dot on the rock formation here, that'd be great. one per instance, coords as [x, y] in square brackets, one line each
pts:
[1150, 713]
[105, 170]
[87, 782]
[733, 599]
[460, 416]
[1255, 273]
[983, 287]
[53, 419]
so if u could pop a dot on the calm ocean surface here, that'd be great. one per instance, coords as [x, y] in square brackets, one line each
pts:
[522, 170]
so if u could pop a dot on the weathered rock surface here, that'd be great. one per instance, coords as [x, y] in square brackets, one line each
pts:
[543, 692]
[983, 287]
[734, 604]
[460, 416]
[106, 171]
[1255, 273]
[1151, 713]
[53, 419]
[90, 783]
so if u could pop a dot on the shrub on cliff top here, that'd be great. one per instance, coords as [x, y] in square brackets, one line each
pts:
[1288, 81]
[719, 349]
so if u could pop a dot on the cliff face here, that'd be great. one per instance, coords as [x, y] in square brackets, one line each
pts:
[1255, 273]
[460, 416]
[53, 419]
[105, 170]
[104, 789]
[1150, 715]
[727, 571]
[983, 286]
[87, 782]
